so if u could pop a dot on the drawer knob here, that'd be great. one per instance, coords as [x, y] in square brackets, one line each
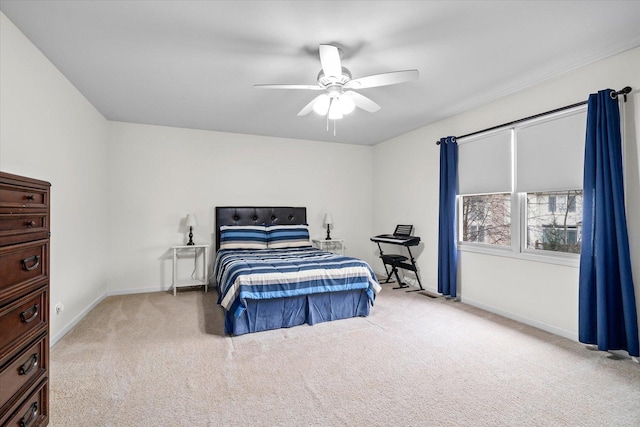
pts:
[30, 197]
[29, 365]
[30, 416]
[35, 309]
[35, 259]
[31, 224]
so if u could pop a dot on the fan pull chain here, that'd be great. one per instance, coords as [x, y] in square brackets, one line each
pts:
[334, 125]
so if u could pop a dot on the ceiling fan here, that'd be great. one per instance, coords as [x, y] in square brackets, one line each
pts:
[339, 97]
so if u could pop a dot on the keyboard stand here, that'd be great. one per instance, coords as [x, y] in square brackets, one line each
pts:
[399, 261]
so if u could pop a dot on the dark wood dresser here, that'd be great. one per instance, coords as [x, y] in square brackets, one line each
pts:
[24, 301]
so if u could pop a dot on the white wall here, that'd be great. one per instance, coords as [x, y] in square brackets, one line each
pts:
[49, 131]
[159, 174]
[544, 295]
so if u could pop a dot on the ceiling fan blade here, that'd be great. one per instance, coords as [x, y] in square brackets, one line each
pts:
[383, 79]
[363, 102]
[330, 60]
[307, 87]
[309, 107]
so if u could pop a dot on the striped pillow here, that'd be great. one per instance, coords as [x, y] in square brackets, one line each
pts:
[288, 236]
[243, 237]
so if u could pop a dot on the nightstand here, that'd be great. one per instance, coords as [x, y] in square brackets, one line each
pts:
[334, 245]
[191, 249]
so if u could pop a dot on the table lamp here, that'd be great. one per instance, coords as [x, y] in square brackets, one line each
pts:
[328, 220]
[190, 222]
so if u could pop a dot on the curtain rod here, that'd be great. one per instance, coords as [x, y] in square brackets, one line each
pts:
[624, 91]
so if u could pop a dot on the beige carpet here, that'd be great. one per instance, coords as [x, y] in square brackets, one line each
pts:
[159, 360]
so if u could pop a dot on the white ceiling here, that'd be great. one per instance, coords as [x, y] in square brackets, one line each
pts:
[193, 64]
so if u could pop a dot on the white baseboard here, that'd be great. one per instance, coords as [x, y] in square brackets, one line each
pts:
[76, 320]
[522, 319]
[137, 291]
[93, 305]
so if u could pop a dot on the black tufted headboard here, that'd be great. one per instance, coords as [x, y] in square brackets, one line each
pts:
[263, 215]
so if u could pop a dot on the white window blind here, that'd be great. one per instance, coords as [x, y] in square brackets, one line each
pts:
[484, 164]
[550, 153]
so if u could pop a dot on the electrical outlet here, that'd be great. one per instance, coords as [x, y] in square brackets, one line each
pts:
[59, 308]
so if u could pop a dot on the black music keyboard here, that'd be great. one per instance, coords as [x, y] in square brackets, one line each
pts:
[397, 239]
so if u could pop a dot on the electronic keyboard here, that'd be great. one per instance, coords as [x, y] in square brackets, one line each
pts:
[397, 239]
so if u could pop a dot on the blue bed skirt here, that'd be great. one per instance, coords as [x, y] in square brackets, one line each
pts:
[263, 315]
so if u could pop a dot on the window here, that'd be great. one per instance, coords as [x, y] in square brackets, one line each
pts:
[572, 200]
[487, 219]
[556, 229]
[485, 181]
[520, 188]
[552, 203]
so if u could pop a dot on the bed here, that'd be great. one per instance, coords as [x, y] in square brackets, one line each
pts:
[269, 277]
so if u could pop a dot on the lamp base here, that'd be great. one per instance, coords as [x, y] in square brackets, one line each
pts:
[190, 242]
[328, 233]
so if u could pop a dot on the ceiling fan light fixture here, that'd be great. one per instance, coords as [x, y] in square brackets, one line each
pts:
[346, 103]
[321, 106]
[335, 112]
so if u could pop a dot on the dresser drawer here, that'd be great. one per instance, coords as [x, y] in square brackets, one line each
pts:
[24, 368]
[23, 264]
[30, 412]
[22, 228]
[22, 320]
[17, 197]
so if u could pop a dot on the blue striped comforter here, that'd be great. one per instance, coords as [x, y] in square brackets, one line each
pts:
[244, 274]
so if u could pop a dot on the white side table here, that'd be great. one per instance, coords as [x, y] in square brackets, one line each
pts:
[334, 245]
[204, 281]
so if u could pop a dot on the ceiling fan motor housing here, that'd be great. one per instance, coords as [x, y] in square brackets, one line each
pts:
[327, 81]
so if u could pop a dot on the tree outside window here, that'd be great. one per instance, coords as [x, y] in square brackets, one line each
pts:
[486, 218]
[557, 230]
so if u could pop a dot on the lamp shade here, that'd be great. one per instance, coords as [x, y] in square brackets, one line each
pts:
[335, 112]
[191, 220]
[328, 219]
[321, 106]
[346, 102]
